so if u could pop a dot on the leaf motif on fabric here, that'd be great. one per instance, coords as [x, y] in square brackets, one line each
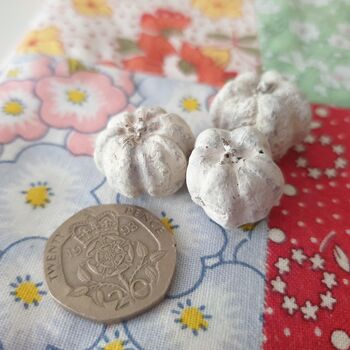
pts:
[127, 46]
[341, 258]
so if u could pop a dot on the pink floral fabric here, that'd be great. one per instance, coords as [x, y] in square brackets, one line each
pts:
[83, 101]
[19, 112]
[27, 69]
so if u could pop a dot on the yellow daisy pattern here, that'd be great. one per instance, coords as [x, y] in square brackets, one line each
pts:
[168, 222]
[13, 73]
[190, 104]
[219, 8]
[13, 108]
[116, 343]
[76, 96]
[44, 41]
[38, 194]
[92, 7]
[26, 291]
[192, 317]
[220, 56]
[248, 227]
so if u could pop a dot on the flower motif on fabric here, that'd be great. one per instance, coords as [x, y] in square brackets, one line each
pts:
[316, 194]
[32, 69]
[249, 227]
[13, 108]
[220, 56]
[84, 101]
[77, 96]
[19, 112]
[120, 77]
[157, 30]
[331, 169]
[44, 41]
[217, 9]
[38, 194]
[190, 104]
[80, 143]
[44, 186]
[193, 63]
[164, 53]
[168, 222]
[192, 317]
[69, 66]
[92, 7]
[35, 321]
[309, 268]
[164, 22]
[305, 31]
[115, 343]
[188, 100]
[220, 296]
[26, 291]
[310, 230]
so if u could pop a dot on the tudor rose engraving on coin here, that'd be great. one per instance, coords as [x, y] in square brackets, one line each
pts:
[110, 262]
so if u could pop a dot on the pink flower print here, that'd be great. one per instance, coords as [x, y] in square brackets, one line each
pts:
[70, 66]
[32, 69]
[83, 101]
[81, 144]
[120, 77]
[19, 112]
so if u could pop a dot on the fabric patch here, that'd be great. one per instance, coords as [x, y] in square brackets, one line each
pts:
[205, 41]
[309, 258]
[308, 40]
[216, 297]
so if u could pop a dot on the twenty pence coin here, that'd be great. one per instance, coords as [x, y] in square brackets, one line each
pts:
[109, 263]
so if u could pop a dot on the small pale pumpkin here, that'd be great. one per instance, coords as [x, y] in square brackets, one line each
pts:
[270, 102]
[232, 176]
[144, 151]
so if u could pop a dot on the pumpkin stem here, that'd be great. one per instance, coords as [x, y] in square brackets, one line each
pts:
[229, 156]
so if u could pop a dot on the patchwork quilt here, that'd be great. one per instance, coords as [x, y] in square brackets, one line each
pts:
[282, 283]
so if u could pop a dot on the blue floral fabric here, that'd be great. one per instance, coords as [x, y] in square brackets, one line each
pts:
[216, 299]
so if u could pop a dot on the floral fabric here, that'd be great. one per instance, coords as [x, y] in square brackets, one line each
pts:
[309, 258]
[208, 41]
[51, 113]
[84, 61]
[308, 40]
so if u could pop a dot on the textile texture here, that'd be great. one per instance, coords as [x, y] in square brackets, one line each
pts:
[308, 40]
[282, 283]
[309, 257]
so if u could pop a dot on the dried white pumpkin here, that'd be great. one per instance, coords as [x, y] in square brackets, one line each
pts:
[232, 176]
[270, 102]
[144, 151]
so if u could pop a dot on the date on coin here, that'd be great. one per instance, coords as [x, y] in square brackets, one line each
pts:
[109, 263]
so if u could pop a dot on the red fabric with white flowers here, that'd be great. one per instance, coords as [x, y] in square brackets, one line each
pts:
[308, 278]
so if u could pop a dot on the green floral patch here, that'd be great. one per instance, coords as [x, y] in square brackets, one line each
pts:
[309, 40]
